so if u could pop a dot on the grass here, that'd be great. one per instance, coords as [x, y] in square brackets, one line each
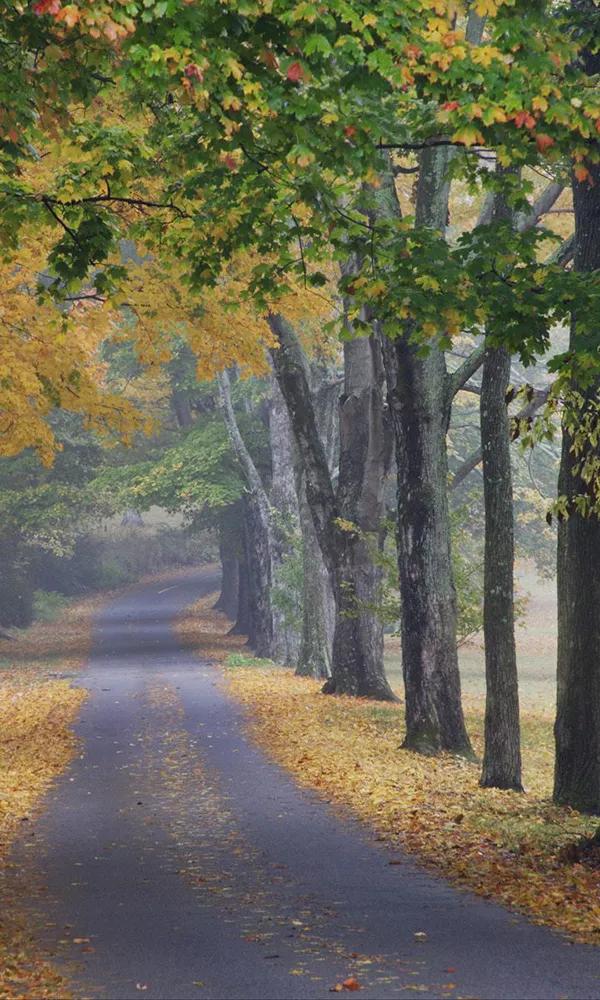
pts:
[502, 845]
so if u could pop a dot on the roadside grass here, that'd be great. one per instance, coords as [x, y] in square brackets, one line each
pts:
[502, 845]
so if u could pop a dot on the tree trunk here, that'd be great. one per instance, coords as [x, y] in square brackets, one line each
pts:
[243, 622]
[229, 556]
[257, 532]
[258, 562]
[502, 756]
[420, 400]
[357, 666]
[314, 659]
[284, 526]
[577, 728]
[419, 406]
[356, 669]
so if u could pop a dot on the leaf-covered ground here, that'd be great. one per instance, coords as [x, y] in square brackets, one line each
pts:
[502, 845]
[37, 708]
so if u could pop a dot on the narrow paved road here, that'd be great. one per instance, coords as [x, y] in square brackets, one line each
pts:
[181, 863]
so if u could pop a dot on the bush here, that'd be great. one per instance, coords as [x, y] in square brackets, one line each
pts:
[235, 660]
[47, 605]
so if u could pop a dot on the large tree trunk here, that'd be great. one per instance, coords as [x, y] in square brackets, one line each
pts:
[420, 399]
[357, 665]
[577, 729]
[502, 756]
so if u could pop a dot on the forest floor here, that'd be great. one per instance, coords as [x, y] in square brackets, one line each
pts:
[505, 846]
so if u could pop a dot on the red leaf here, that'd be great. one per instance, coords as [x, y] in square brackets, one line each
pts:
[524, 118]
[46, 7]
[193, 72]
[349, 131]
[351, 984]
[295, 72]
[450, 106]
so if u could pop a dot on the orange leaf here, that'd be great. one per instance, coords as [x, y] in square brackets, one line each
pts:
[582, 173]
[295, 72]
[543, 142]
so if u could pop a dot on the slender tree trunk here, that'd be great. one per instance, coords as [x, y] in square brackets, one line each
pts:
[284, 524]
[257, 532]
[243, 622]
[357, 665]
[258, 561]
[502, 756]
[318, 602]
[577, 728]
[182, 409]
[420, 399]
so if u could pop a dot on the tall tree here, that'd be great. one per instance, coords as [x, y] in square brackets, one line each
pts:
[502, 755]
[420, 393]
[577, 729]
[258, 529]
[348, 519]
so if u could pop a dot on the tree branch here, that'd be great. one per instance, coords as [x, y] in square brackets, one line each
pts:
[541, 205]
[458, 379]
[291, 372]
[476, 457]
[238, 444]
[563, 254]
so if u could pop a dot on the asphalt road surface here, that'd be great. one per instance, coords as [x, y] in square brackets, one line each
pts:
[181, 863]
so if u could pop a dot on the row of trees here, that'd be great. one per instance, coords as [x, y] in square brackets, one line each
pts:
[255, 150]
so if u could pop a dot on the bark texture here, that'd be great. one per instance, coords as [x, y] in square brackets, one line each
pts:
[577, 728]
[357, 659]
[284, 524]
[230, 546]
[315, 655]
[419, 395]
[502, 756]
[258, 544]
